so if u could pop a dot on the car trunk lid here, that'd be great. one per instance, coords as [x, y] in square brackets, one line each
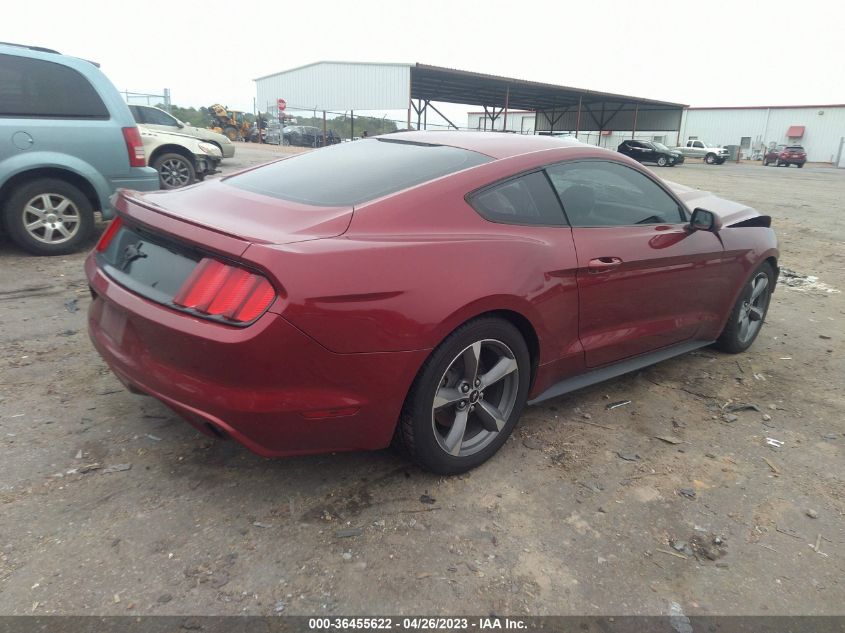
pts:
[246, 216]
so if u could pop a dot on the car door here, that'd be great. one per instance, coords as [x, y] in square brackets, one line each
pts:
[646, 153]
[530, 209]
[644, 280]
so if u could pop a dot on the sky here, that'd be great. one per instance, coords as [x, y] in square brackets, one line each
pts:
[702, 53]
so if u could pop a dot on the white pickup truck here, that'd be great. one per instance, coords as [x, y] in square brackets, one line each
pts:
[712, 154]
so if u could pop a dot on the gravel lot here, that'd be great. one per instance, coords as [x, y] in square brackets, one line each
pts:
[669, 499]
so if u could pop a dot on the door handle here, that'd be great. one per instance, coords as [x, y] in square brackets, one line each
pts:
[603, 264]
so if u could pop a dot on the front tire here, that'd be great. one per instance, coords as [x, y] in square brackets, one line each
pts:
[467, 397]
[749, 312]
[174, 171]
[48, 216]
[661, 162]
[710, 159]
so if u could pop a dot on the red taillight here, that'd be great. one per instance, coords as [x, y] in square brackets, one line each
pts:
[134, 147]
[108, 234]
[217, 289]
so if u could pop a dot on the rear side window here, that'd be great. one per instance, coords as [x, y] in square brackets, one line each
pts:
[154, 116]
[33, 88]
[601, 193]
[352, 173]
[528, 199]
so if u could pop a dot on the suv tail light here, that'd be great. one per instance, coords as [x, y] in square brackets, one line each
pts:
[219, 290]
[134, 147]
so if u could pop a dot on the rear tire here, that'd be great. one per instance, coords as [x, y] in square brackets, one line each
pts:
[749, 312]
[799, 165]
[48, 216]
[448, 423]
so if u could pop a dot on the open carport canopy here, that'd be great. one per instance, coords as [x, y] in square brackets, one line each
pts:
[557, 107]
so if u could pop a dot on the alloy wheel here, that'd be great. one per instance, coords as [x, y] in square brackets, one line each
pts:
[475, 397]
[754, 306]
[51, 218]
[175, 173]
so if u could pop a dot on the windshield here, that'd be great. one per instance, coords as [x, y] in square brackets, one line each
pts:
[351, 173]
[660, 146]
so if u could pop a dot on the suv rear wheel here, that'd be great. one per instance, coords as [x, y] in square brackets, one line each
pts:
[48, 216]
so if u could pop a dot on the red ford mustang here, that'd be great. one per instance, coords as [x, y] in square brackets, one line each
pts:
[421, 287]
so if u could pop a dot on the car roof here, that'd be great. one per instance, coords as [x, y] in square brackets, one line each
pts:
[493, 144]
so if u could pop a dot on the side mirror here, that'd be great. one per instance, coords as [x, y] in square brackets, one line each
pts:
[180, 124]
[704, 220]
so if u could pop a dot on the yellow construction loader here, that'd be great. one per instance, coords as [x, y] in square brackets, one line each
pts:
[232, 123]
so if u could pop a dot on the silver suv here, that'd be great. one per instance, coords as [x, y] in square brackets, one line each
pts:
[67, 142]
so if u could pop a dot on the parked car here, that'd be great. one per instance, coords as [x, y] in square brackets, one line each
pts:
[179, 159]
[785, 155]
[479, 272]
[303, 136]
[651, 152]
[67, 141]
[711, 154]
[157, 119]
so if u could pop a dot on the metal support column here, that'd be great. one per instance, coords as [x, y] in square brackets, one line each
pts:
[507, 99]
[636, 112]
[578, 119]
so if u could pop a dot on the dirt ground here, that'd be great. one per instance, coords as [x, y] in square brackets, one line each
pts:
[671, 499]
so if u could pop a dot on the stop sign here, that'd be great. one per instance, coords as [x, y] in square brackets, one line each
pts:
[282, 104]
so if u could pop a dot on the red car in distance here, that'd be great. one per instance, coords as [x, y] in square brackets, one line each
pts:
[420, 286]
[785, 155]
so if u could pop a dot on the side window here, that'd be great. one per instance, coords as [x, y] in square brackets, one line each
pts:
[528, 200]
[601, 193]
[154, 116]
[33, 88]
[698, 144]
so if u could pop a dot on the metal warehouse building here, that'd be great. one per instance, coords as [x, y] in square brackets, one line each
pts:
[819, 128]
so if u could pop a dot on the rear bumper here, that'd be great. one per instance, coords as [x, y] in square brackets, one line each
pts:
[268, 386]
[139, 179]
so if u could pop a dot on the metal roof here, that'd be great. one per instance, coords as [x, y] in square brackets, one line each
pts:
[436, 83]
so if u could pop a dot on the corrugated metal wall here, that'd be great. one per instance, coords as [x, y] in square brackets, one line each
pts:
[646, 120]
[338, 86]
[521, 122]
[824, 128]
